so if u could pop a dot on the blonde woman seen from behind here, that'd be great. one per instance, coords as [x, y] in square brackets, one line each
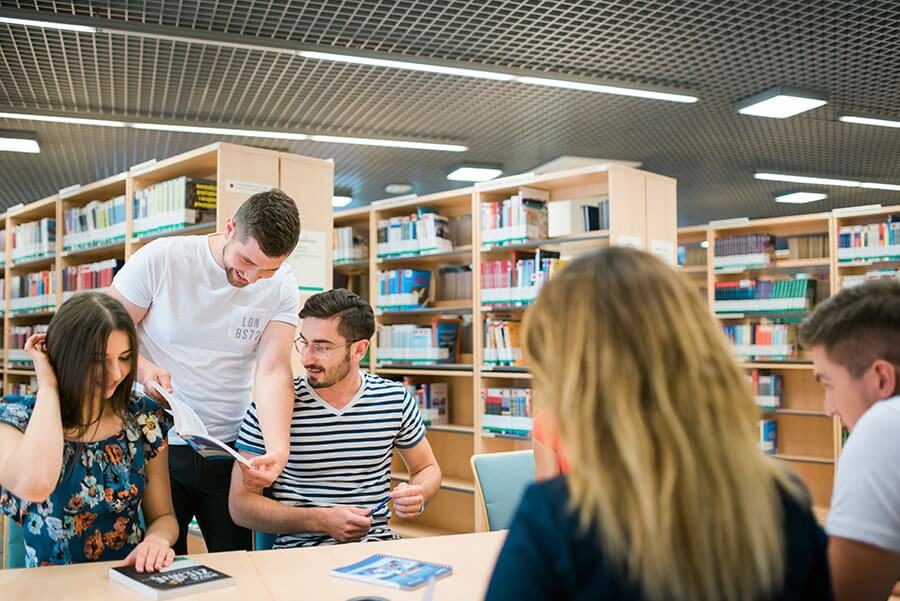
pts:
[668, 497]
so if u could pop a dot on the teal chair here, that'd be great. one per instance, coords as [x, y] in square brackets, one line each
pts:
[263, 541]
[13, 545]
[500, 480]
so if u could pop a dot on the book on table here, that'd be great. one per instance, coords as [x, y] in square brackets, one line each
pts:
[183, 577]
[394, 572]
[190, 427]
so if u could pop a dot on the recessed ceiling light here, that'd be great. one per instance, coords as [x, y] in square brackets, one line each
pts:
[799, 198]
[474, 172]
[781, 102]
[48, 25]
[398, 188]
[19, 141]
[869, 120]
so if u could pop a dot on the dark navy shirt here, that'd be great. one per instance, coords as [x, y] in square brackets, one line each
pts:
[547, 556]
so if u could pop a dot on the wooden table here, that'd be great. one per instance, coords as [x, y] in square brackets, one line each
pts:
[285, 575]
[300, 574]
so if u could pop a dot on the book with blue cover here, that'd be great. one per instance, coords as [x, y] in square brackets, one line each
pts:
[395, 572]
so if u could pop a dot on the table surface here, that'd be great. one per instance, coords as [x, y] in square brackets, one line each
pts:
[284, 575]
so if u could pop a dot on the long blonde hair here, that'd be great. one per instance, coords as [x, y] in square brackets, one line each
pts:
[659, 425]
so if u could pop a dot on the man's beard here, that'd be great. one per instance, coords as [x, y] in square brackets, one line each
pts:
[231, 276]
[332, 376]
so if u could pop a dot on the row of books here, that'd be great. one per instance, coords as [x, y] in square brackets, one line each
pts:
[569, 217]
[33, 292]
[433, 399]
[350, 244]
[16, 357]
[691, 256]
[400, 289]
[507, 411]
[34, 240]
[768, 436]
[871, 241]
[357, 283]
[454, 283]
[518, 280]
[420, 345]
[22, 387]
[95, 224]
[751, 250]
[174, 204]
[767, 388]
[765, 295]
[501, 342]
[421, 233]
[763, 341]
[519, 218]
[851, 280]
[92, 276]
[811, 246]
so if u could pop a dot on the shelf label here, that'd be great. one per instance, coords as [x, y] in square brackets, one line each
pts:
[863, 210]
[630, 241]
[729, 222]
[70, 191]
[141, 167]
[243, 187]
[520, 179]
[397, 201]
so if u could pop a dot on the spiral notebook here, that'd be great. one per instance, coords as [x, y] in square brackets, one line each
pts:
[395, 572]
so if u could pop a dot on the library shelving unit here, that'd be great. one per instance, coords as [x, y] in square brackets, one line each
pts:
[353, 273]
[872, 255]
[692, 242]
[641, 213]
[808, 439]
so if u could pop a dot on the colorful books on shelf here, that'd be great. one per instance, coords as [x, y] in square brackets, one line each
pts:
[16, 357]
[393, 572]
[33, 293]
[518, 219]
[767, 389]
[174, 204]
[424, 232]
[501, 343]
[420, 345]
[874, 241]
[93, 276]
[21, 386]
[400, 289]
[518, 280]
[507, 411]
[182, 577]
[351, 243]
[851, 280]
[768, 436]
[454, 283]
[433, 399]
[765, 295]
[95, 224]
[34, 240]
[569, 217]
[751, 251]
[763, 341]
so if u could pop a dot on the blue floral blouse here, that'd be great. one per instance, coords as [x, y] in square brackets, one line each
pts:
[93, 514]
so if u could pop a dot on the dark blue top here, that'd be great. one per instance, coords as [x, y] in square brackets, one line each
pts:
[547, 556]
[93, 514]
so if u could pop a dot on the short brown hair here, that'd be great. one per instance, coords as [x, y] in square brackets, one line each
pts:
[272, 219]
[356, 320]
[858, 326]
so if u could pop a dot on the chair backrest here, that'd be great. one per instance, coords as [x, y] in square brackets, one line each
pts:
[500, 480]
[13, 545]
[263, 541]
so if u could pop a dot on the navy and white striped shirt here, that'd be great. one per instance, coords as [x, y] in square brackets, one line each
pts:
[340, 457]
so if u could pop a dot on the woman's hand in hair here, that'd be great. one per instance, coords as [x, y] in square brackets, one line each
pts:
[36, 348]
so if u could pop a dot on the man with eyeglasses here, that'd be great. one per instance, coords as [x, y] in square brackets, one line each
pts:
[346, 424]
[216, 314]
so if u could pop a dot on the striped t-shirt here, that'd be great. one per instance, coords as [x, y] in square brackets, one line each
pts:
[340, 457]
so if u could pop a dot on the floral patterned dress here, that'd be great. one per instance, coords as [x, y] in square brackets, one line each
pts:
[94, 512]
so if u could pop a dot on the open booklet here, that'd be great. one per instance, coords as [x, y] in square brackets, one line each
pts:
[190, 427]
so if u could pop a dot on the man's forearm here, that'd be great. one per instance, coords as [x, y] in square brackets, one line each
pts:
[252, 510]
[429, 478]
[274, 408]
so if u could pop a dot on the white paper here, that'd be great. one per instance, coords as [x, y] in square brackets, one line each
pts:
[663, 249]
[632, 241]
[308, 261]
[244, 187]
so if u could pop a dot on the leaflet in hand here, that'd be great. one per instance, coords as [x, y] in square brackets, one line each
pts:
[395, 572]
[190, 427]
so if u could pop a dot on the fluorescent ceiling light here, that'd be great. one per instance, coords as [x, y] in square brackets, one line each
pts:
[780, 102]
[606, 89]
[221, 131]
[868, 120]
[19, 141]
[473, 172]
[409, 66]
[56, 119]
[48, 25]
[802, 179]
[879, 186]
[341, 201]
[389, 143]
[398, 188]
[799, 198]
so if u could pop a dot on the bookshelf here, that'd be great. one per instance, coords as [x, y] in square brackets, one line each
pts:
[873, 258]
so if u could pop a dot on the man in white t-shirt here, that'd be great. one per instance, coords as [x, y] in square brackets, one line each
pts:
[855, 342]
[209, 309]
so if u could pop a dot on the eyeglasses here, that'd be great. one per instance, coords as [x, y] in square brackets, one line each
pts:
[318, 351]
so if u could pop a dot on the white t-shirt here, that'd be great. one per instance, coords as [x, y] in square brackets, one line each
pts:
[200, 328]
[865, 504]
